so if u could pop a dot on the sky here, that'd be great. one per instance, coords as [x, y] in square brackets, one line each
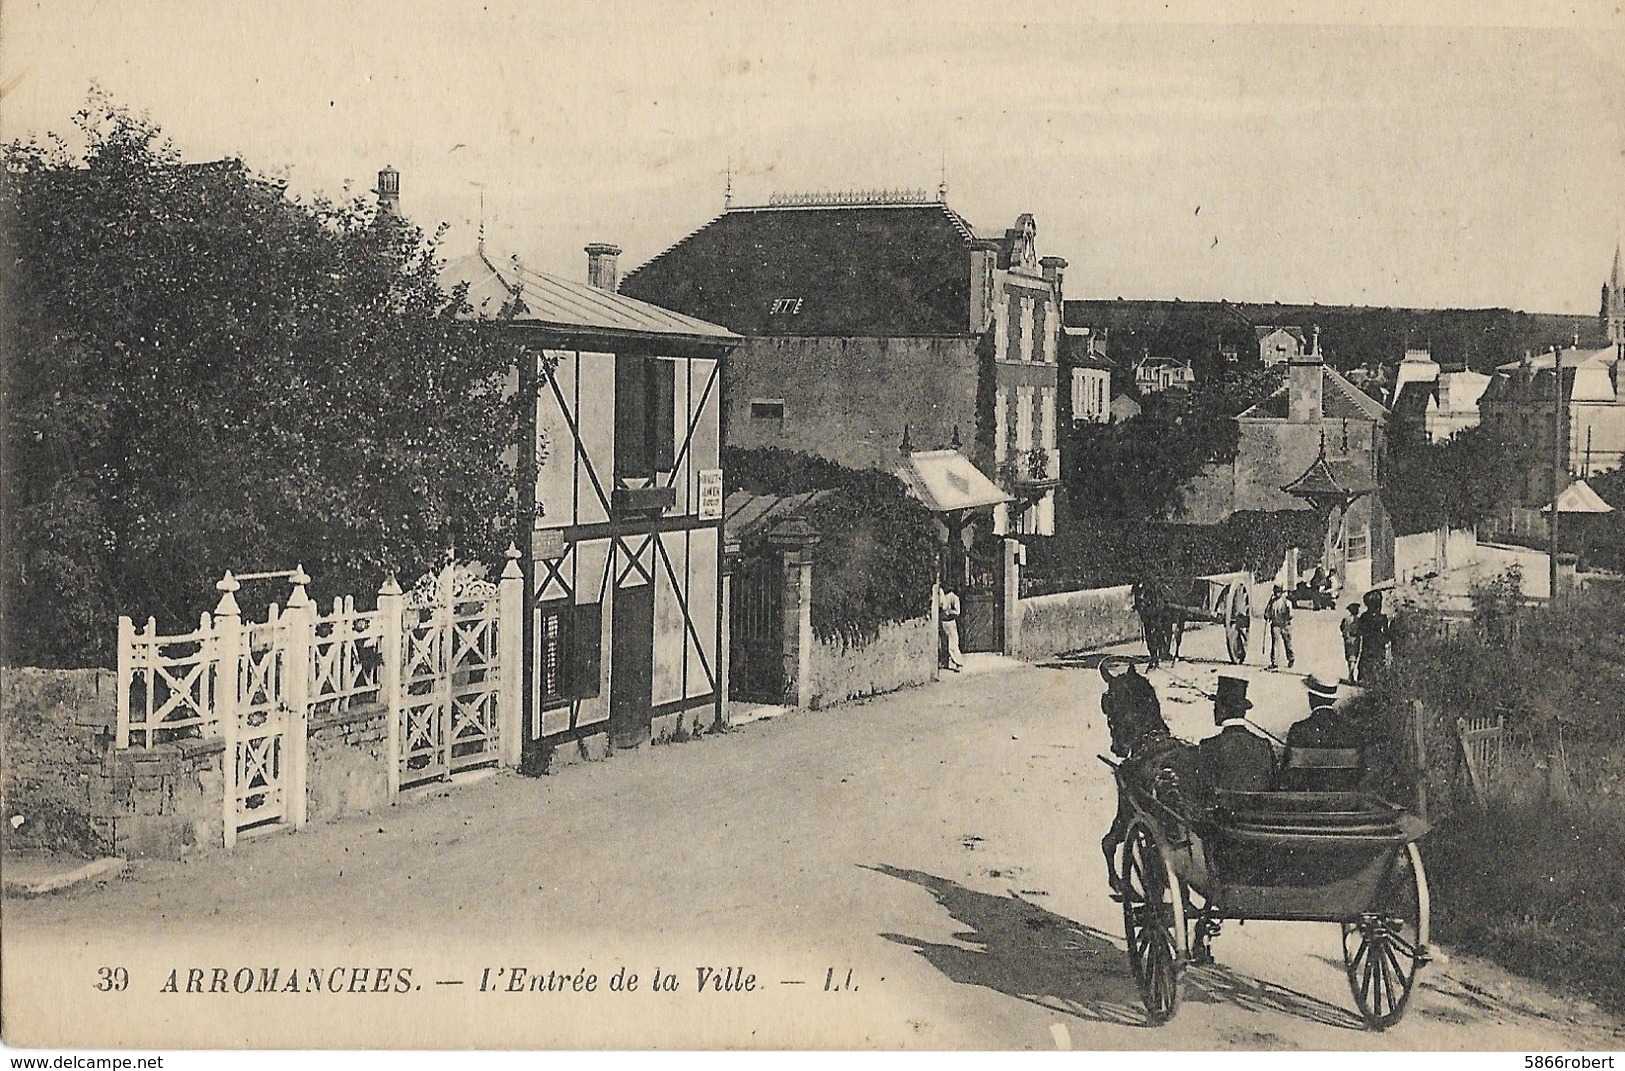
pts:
[1198, 151]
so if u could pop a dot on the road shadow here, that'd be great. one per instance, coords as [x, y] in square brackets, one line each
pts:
[1091, 659]
[1025, 951]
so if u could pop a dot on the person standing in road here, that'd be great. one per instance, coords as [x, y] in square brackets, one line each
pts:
[1278, 615]
[1350, 627]
[1373, 638]
[948, 610]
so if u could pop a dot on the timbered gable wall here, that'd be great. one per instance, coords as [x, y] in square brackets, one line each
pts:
[608, 421]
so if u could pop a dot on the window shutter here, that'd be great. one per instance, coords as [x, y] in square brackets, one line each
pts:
[585, 649]
[662, 413]
[631, 419]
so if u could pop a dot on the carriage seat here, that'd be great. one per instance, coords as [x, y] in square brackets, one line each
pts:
[1321, 769]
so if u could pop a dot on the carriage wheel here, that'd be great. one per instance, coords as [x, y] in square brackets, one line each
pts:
[1238, 622]
[1153, 923]
[1383, 951]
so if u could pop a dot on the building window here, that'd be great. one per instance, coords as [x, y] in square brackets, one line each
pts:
[568, 646]
[645, 416]
[786, 306]
[1359, 543]
[767, 414]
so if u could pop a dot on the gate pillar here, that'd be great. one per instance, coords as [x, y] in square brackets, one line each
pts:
[725, 578]
[794, 540]
[1014, 553]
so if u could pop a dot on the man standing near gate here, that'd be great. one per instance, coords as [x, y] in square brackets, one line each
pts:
[948, 610]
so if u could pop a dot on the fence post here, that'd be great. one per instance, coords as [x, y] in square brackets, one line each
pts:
[296, 690]
[126, 643]
[511, 637]
[445, 624]
[228, 644]
[391, 607]
[1419, 736]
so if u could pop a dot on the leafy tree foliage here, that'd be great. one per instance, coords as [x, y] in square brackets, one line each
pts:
[876, 560]
[1457, 482]
[202, 373]
[1134, 470]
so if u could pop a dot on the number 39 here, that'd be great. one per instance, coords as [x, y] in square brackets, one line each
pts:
[112, 979]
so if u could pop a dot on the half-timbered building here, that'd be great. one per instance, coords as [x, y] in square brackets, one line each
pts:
[626, 596]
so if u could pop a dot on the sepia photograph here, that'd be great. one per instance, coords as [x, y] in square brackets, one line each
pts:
[938, 527]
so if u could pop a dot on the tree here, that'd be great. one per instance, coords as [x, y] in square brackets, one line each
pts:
[1136, 470]
[202, 373]
[1457, 482]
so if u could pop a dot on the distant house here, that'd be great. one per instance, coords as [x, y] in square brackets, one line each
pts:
[871, 319]
[1083, 359]
[1318, 442]
[623, 568]
[1519, 405]
[1152, 374]
[1279, 345]
[1440, 404]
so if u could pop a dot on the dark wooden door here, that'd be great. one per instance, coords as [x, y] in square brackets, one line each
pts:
[631, 669]
[981, 621]
[756, 631]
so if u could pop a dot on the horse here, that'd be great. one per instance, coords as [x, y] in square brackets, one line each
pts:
[1156, 625]
[1141, 738]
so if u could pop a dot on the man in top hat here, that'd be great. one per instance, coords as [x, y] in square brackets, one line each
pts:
[1239, 757]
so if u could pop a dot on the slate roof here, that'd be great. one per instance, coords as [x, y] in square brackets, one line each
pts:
[1413, 399]
[1324, 477]
[1264, 331]
[550, 301]
[1339, 399]
[866, 271]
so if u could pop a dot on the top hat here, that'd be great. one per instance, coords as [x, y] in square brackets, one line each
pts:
[1232, 694]
[1321, 694]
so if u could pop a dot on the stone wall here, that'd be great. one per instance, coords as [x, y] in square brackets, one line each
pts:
[76, 792]
[902, 655]
[1081, 620]
[56, 727]
[347, 770]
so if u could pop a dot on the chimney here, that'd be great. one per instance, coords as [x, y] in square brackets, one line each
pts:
[1305, 380]
[389, 190]
[601, 265]
[1053, 267]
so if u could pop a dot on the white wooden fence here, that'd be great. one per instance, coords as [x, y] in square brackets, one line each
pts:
[441, 664]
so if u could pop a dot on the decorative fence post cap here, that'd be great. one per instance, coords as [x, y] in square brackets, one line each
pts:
[512, 571]
[227, 607]
[390, 586]
[299, 579]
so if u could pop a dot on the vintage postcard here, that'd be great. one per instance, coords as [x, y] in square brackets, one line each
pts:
[801, 526]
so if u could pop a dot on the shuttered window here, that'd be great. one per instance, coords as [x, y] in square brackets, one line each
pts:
[568, 645]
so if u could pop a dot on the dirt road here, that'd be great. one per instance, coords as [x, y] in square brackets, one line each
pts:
[914, 872]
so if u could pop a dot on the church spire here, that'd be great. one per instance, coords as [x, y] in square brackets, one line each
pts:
[1617, 280]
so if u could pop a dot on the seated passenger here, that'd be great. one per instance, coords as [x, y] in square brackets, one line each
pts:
[1311, 762]
[1326, 726]
[1239, 758]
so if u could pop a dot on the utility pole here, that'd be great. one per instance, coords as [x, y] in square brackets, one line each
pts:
[1559, 432]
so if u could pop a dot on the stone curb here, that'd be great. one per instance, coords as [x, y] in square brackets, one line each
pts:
[96, 870]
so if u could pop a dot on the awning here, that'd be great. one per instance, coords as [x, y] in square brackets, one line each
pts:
[1578, 497]
[946, 482]
[747, 517]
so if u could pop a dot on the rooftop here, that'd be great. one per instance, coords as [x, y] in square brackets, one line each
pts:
[875, 268]
[513, 293]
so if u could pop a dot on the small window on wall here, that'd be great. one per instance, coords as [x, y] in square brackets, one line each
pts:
[767, 414]
[568, 645]
[1359, 544]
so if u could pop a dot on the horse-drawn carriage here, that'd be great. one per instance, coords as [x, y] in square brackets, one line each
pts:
[1343, 857]
[1167, 606]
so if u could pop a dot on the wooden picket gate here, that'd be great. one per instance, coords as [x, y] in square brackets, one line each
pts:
[444, 661]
